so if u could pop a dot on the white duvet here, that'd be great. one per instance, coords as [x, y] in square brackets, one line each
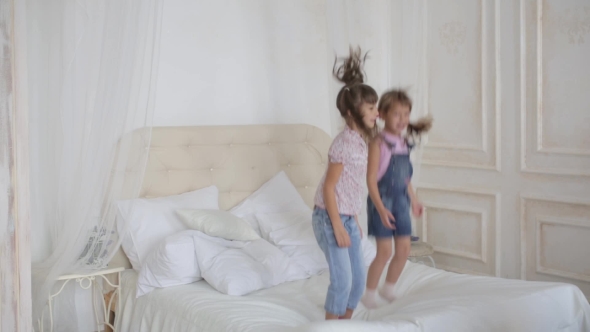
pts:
[431, 300]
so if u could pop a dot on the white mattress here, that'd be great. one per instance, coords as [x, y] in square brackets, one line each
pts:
[432, 300]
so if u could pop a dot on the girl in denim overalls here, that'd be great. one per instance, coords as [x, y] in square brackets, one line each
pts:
[391, 195]
[339, 196]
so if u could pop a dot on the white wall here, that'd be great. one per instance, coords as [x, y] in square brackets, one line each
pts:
[258, 62]
[238, 62]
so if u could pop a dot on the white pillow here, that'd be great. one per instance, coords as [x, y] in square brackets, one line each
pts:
[218, 223]
[276, 195]
[287, 228]
[239, 268]
[172, 263]
[292, 232]
[146, 222]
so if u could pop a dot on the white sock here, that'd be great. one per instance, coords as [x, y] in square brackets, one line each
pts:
[387, 291]
[369, 300]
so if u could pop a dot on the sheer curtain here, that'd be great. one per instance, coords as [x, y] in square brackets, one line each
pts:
[92, 66]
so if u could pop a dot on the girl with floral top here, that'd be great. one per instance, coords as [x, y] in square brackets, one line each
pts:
[338, 199]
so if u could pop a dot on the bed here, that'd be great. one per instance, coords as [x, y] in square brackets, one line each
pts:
[240, 159]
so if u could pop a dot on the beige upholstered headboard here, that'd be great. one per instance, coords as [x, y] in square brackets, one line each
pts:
[237, 159]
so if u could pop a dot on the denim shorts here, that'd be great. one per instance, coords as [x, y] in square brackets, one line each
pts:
[400, 209]
[347, 266]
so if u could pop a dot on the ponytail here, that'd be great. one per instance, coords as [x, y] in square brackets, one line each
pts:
[354, 93]
[420, 127]
[392, 97]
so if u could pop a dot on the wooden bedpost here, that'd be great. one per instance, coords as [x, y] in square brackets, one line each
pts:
[15, 252]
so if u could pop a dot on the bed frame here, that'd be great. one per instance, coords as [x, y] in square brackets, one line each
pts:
[237, 159]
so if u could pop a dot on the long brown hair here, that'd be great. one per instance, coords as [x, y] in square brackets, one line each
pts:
[399, 97]
[354, 92]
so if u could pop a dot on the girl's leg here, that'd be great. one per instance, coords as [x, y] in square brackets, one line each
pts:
[338, 264]
[383, 255]
[340, 281]
[357, 266]
[330, 316]
[347, 315]
[402, 250]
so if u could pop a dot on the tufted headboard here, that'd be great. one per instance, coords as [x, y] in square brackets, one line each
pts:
[237, 159]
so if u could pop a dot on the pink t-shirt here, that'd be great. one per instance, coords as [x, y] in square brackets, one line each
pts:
[350, 150]
[400, 147]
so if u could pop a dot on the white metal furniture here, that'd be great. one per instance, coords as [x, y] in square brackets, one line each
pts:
[421, 249]
[87, 280]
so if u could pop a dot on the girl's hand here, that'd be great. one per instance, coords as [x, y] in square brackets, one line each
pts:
[417, 208]
[342, 237]
[387, 218]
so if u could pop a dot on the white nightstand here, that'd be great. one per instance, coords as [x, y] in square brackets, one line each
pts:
[87, 280]
[421, 249]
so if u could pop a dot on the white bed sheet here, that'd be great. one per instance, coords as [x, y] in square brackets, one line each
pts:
[432, 300]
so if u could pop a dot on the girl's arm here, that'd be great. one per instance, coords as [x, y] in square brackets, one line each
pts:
[417, 207]
[372, 169]
[329, 191]
[412, 193]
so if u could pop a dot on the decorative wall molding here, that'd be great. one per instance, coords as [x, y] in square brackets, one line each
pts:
[575, 24]
[563, 150]
[561, 219]
[450, 146]
[462, 271]
[483, 220]
[562, 222]
[486, 220]
[536, 148]
[452, 36]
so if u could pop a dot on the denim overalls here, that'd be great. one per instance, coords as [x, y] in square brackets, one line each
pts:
[393, 189]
